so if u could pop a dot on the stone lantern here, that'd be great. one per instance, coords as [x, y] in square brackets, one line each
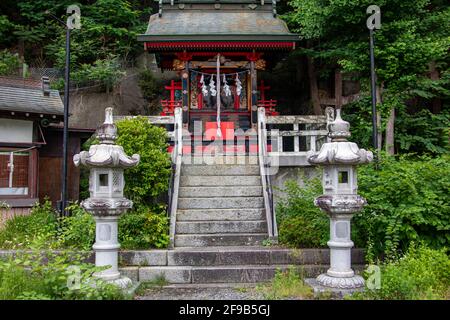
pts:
[340, 200]
[106, 203]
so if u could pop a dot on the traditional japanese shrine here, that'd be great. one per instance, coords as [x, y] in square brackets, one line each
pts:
[218, 47]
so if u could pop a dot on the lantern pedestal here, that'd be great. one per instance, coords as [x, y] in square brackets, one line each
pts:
[106, 250]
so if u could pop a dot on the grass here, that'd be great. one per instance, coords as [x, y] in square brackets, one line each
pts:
[286, 284]
[157, 283]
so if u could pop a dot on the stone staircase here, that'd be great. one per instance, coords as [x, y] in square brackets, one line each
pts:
[220, 205]
[219, 231]
[225, 264]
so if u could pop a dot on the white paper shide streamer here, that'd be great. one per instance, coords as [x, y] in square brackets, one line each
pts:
[238, 85]
[205, 91]
[226, 87]
[212, 87]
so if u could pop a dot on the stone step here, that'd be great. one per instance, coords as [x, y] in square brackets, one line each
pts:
[223, 274]
[259, 226]
[246, 191]
[220, 214]
[227, 255]
[227, 239]
[252, 255]
[186, 181]
[220, 170]
[240, 159]
[220, 203]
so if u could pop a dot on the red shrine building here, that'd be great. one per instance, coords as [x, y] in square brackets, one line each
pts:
[217, 48]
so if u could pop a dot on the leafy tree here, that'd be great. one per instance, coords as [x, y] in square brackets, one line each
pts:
[412, 43]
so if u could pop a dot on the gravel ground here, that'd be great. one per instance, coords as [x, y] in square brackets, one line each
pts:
[213, 292]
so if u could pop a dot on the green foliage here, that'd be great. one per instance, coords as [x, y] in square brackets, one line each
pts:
[39, 226]
[104, 71]
[300, 223]
[78, 229]
[150, 88]
[423, 132]
[421, 274]
[144, 229]
[9, 63]
[408, 200]
[286, 284]
[41, 275]
[150, 178]
[413, 37]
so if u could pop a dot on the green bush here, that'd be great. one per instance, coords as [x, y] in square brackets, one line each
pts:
[408, 200]
[141, 228]
[40, 225]
[144, 229]
[42, 275]
[78, 229]
[147, 181]
[9, 63]
[151, 88]
[422, 273]
[300, 223]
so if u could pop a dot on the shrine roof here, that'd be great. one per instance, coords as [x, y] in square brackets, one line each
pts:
[192, 24]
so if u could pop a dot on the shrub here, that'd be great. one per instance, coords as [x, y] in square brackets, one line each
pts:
[422, 273]
[78, 229]
[24, 230]
[143, 229]
[408, 200]
[300, 223]
[150, 88]
[9, 63]
[147, 181]
[44, 275]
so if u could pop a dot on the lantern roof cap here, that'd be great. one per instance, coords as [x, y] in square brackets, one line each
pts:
[106, 154]
[339, 150]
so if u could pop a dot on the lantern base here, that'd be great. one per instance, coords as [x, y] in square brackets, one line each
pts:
[323, 292]
[122, 282]
[340, 283]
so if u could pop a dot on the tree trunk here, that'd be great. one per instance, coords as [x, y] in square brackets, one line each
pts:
[379, 101]
[436, 103]
[390, 133]
[313, 88]
[338, 88]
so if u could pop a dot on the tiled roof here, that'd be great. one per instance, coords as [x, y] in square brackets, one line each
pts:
[189, 24]
[29, 99]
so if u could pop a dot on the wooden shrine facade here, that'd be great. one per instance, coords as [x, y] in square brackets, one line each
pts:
[217, 44]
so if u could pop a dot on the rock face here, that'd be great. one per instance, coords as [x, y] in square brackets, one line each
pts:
[220, 205]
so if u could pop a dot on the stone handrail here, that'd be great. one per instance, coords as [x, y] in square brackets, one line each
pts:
[265, 175]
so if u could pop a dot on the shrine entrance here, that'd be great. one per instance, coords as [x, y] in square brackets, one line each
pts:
[217, 50]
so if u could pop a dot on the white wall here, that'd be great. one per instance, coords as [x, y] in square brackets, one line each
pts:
[20, 131]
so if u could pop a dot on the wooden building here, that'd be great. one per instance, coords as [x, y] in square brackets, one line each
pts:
[218, 47]
[31, 115]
